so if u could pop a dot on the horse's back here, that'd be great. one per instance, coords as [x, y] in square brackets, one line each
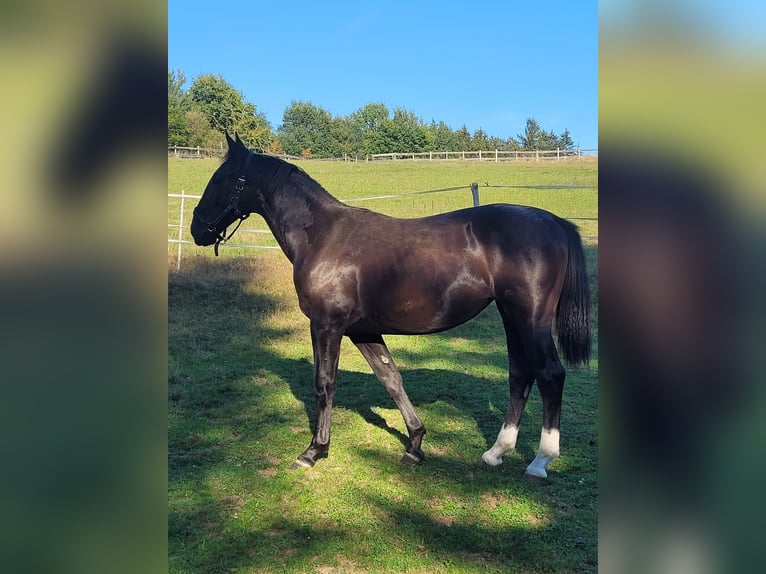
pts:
[512, 228]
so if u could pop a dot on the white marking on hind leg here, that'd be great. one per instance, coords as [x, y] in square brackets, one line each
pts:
[546, 452]
[506, 441]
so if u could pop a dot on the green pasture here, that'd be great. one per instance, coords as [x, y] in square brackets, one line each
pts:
[240, 398]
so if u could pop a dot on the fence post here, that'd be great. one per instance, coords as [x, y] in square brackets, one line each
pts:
[180, 231]
[475, 193]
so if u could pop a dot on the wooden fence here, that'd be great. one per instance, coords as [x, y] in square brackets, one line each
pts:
[201, 152]
[496, 155]
[194, 152]
[492, 155]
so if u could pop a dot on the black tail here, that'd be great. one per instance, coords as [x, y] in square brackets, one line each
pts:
[573, 310]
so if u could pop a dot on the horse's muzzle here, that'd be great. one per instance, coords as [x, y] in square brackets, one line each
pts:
[201, 233]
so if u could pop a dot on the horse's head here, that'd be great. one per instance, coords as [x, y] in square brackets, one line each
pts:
[222, 202]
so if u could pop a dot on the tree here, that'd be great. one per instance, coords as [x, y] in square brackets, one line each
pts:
[307, 127]
[177, 108]
[480, 141]
[533, 135]
[404, 133]
[463, 138]
[211, 106]
[253, 128]
[220, 102]
[198, 130]
[536, 138]
[176, 94]
[443, 137]
[510, 145]
[275, 146]
[341, 136]
[549, 140]
[178, 133]
[367, 126]
[565, 141]
[227, 111]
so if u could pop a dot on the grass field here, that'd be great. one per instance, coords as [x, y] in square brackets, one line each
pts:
[240, 397]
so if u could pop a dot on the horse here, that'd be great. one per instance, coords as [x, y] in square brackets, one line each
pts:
[363, 275]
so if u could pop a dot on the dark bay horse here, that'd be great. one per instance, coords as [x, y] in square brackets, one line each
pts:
[363, 275]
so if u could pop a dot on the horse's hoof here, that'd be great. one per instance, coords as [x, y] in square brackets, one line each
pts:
[484, 465]
[535, 475]
[538, 468]
[300, 464]
[488, 461]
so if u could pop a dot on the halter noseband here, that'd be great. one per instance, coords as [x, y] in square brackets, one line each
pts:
[233, 206]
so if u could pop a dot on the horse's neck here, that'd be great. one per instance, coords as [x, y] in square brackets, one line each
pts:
[295, 214]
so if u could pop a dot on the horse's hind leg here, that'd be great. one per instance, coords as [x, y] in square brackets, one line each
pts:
[550, 374]
[520, 379]
[382, 363]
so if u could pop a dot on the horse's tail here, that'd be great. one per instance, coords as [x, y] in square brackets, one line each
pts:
[573, 310]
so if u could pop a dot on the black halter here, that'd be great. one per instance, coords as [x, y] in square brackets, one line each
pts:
[233, 206]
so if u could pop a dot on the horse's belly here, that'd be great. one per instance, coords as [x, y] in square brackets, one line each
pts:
[419, 315]
[424, 296]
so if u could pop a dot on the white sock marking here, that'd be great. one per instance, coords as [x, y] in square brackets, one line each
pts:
[506, 441]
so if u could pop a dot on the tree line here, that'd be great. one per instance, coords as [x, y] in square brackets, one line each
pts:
[199, 116]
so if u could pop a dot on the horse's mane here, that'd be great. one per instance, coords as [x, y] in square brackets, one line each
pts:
[277, 173]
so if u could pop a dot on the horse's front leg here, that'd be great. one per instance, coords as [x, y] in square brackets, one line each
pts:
[325, 340]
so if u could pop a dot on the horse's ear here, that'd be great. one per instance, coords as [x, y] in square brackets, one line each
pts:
[236, 145]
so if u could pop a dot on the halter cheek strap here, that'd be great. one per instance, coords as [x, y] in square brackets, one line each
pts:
[221, 239]
[239, 187]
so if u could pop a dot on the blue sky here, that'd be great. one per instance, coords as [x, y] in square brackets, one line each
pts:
[487, 65]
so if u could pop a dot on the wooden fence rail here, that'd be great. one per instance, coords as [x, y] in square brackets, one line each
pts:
[491, 155]
[494, 155]
[194, 152]
[201, 152]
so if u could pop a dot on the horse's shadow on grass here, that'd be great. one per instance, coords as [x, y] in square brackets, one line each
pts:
[432, 391]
